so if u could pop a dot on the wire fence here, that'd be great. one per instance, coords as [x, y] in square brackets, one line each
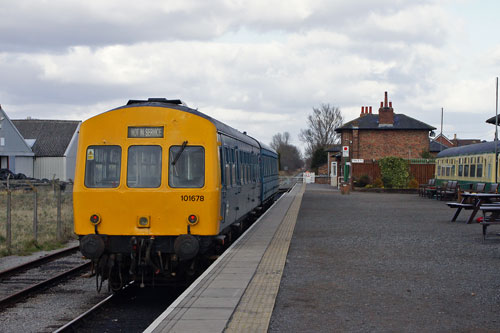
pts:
[34, 215]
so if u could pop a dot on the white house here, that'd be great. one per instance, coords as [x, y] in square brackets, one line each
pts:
[54, 144]
[15, 153]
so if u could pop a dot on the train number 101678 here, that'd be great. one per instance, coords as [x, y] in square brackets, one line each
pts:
[192, 198]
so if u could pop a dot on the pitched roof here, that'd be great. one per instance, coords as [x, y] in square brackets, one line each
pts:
[371, 122]
[492, 120]
[334, 149]
[52, 137]
[435, 146]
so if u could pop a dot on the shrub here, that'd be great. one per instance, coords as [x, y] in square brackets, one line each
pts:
[363, 180]
[413, 183]
[378, 183]
[394, 172]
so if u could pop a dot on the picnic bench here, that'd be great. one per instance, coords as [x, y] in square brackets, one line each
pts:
[472, 201]
[491, 215]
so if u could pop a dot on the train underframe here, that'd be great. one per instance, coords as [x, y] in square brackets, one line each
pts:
[159, 260]
[155, 260]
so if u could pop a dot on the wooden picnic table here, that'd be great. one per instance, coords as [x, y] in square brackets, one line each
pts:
[472, 201]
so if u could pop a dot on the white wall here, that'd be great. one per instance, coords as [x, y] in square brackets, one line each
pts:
[24, 164]
[47, 167]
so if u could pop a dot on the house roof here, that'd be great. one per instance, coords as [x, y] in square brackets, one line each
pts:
[491, 120]
[334, 149]
[371, 122]
[52, 137]
[435, 146]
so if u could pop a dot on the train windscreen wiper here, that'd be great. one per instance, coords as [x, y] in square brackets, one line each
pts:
[184, 144]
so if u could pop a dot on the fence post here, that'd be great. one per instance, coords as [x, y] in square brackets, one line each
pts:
[59, 220]
[35, 210]
[9, 221]
[9, 218]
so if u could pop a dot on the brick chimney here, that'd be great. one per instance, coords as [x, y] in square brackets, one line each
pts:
[385, 113]
[365, 110]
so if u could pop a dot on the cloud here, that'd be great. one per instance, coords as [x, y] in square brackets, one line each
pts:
[245, 63]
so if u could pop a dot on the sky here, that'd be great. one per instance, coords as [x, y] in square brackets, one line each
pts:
[259, 66]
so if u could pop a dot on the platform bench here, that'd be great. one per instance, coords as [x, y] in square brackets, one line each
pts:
[491, 215]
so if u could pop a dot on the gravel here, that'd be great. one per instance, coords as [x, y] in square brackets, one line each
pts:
[54, 307]
[376, 262]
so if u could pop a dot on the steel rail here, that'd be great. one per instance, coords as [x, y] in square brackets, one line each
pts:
[31, 289]
[38, 262]
[69, 325]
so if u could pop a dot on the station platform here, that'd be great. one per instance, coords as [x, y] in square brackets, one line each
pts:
[363, 262]
[237, 292]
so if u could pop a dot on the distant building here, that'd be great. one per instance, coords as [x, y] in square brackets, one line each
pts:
[374, 136]
[464, 142]
[54, 144]
[436, 147]
[15, 153]
[443, 140]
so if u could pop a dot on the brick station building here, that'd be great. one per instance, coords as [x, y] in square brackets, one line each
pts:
[374, 136]
[371, 136]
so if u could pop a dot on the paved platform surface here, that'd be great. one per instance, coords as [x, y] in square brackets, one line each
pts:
[375, 262]
[238, 291]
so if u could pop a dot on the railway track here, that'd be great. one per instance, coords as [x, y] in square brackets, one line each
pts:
[27, 279]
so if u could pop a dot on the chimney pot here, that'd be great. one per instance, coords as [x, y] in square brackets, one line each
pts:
[370, 110]
[390, 104]
[381, 104]
[385, 99]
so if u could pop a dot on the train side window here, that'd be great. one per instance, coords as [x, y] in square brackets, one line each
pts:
[222, 168]
[144, 167]
[473, 170]
[188, 171]
[233, 168]
[479, 170]
[466, 170]
[460, 170]
[102, 166]
[227, 166]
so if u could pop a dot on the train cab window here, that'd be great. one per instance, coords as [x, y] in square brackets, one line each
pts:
[144, 166]
[186, 167]
[102, 167]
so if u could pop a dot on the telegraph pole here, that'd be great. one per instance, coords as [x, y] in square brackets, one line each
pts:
[496, 134]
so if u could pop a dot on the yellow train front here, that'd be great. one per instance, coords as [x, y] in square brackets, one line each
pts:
[155, 187]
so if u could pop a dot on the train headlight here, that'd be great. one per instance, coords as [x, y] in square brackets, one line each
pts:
[192, 219]
[143, 221]
[95, 219]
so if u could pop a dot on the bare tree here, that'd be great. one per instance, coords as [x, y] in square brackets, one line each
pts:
[321, 128]
[280, 140]
[289, 156]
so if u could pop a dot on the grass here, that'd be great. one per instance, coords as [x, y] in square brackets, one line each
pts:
[22, 229]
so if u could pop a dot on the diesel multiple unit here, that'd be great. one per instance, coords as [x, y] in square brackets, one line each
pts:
[158, 185]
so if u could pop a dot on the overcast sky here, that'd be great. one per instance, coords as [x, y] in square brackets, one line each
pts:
[259, 66]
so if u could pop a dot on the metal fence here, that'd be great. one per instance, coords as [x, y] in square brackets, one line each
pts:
[34, 214]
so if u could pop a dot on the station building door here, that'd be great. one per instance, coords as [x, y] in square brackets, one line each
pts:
[4, 162]
[333, 174]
